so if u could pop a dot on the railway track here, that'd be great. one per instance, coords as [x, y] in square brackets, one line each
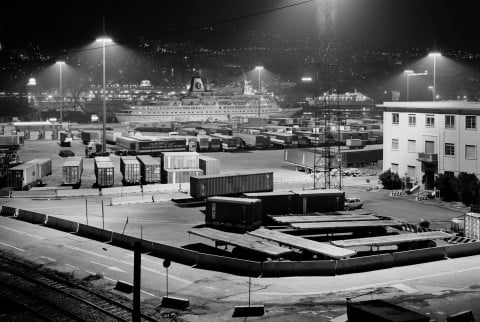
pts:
[52, 298]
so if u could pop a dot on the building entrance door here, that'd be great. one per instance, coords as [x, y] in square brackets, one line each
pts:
[429, 179]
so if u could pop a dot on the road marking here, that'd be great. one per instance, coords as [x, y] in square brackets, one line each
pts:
[48, 258]
[405, 288]
[128, 263]
[22, 232]
[373, 285]
[110, 279]
[113, 268]
[72, 266]
[145, 292]
[22, 250]
[90, 272]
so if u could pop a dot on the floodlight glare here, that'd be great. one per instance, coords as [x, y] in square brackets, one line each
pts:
[104, 39]
[306, 79]
[259, 67]
[434, 54]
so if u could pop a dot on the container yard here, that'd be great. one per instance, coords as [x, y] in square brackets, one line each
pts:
[130, 169]
[72, 171]
[104, 172]
[241, 213]
[150, 169]
[217, 185]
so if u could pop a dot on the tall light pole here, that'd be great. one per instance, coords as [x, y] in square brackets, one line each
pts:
[408, 72]
[60, 64]
[308, 79]
[434, 55]
[259, 68]
[104, 40]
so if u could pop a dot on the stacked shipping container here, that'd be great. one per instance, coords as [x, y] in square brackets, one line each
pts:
[209, 165]
[150, 169]
[130, 169]
[177, 167]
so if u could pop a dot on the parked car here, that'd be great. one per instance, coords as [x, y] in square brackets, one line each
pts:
[66, 153]
[353, 203]
[354, 172]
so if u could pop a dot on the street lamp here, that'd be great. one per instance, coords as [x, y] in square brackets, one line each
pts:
[259, 68]
[308, 79]
[104, 40]
[60, 64]
[434, 55]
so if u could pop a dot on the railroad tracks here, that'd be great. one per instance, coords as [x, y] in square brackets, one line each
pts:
[55, 299]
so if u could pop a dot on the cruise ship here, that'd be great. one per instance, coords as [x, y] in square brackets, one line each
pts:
[199, 104]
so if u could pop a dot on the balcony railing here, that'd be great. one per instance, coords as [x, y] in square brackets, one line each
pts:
[427, 157]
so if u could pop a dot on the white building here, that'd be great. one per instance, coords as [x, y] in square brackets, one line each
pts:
[422, 139]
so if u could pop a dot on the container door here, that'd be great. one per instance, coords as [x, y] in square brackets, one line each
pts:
[214, 210]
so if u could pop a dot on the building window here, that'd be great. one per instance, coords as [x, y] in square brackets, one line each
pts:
[449, 121]
[395, 118]
[412, 119]
[470, 122]
[394, 144]
[430, 121]
[412, 146]
[411, 171]
[449, 149]
[470, 152]
[394, 168]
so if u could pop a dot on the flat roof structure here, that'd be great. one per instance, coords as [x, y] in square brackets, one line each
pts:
[337, 225]
[303, 243]
[392, 239]
[437, 107]
[241, 240]
[322, 218]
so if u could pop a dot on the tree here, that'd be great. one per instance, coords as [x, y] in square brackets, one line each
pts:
[469, 188]
[448, 186]
[390, 180]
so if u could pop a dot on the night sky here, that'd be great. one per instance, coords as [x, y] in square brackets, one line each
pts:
[394, 23]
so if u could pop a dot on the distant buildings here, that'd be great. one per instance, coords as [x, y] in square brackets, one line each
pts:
[423, 139]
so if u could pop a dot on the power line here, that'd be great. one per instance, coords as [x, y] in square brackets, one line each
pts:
[259, 13]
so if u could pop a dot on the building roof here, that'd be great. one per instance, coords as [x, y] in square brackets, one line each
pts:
[438, 107]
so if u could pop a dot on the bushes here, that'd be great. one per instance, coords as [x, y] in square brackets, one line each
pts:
[390, 180]
[448, 186]
[465, 187]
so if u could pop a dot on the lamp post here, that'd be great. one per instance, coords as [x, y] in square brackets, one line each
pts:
[430, 88]
[434, 55]
[60, 66]
[308, 79]
[104, 40]
[259, 68]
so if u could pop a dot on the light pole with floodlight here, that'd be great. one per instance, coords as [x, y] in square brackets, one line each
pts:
[104, 40]
[60, 65]
[434, 55]
[259, 68]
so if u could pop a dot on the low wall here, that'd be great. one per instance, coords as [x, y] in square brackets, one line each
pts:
[460, 250]
[302, 268]
[125, 200]
[8, 211]
[62, 224]
[122, 190]
[362, 264]
[229, 265]
[32, 217]
[418, 256]
[78, 193]
[176, 254]
[94, 233]
[34, 194]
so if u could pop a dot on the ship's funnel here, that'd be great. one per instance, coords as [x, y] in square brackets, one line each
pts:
[196, 85]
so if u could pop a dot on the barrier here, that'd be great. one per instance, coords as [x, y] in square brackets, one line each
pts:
[161, 197]
[31, 216]
[95, 233]
[304, 268]
[115, 201]
[34, 194]
[460, 250]
[153, 188]
[177, 254]
[229, 265]
[124, 241]
[418, 256]
[122, 191]
[168, 187]
[8, 211]
[62, 224]
[362, 264]
[78, 193]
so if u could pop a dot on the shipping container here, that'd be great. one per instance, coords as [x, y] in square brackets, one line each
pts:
[229, 143]
[354, 143]
[104, 171]
[179, 175]
[90, 135]
[72, 170]
[111, 136]
[152, 145]
[310, 201]
[361, 157]
[243, 213]
[228, 184]
[10, 141]
[381, 311]
[274, 203]
[149, 169]
[130, 169]
[215, 144]
[23, 176]
[65, 139]
[44, 167]
[472, 225]
[283, 140]
[180, 160]
[209, 165]
[203, 142]
[254, 141]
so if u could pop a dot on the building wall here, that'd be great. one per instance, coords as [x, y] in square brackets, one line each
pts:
[439, 134]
